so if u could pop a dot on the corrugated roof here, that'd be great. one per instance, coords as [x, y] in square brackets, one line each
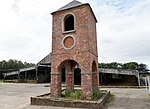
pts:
[46, 60]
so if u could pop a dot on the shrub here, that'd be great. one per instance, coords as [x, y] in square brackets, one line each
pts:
[97, 94]
[74, 94]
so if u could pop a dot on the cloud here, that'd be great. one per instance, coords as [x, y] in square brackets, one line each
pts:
[123, 29]
[123, 34]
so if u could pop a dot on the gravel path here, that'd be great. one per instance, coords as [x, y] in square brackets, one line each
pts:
[17, 96]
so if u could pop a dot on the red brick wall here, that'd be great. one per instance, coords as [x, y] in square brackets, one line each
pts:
[84, 52]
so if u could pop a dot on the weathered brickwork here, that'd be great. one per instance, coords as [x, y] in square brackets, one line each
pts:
[83, 53]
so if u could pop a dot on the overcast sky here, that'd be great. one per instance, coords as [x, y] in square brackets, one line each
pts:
[123, 29]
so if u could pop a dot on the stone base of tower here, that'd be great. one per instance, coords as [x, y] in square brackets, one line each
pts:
[47, 100]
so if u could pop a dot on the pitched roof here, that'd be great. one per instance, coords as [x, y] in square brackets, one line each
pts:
[45, 60]
[72, 4]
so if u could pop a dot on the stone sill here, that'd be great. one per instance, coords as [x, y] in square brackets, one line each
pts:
[71, 31]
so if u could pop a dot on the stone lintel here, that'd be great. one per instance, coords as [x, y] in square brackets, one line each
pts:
[86, 73]
[55, 73]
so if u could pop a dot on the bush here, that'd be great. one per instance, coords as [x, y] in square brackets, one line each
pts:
[97, 94]
[74, 94]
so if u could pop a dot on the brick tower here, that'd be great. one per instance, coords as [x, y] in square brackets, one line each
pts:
[74, 44]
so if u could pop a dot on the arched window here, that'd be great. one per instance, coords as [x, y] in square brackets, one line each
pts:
[94, 67]
[69, 22]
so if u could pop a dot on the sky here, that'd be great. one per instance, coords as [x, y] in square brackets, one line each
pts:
[123, 29]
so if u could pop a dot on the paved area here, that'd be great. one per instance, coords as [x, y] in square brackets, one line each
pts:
[128, 98]
[17, 96]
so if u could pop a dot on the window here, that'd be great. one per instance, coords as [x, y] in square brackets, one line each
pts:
[69, 22]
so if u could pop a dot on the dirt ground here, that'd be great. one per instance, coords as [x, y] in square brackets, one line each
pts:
[17, 96]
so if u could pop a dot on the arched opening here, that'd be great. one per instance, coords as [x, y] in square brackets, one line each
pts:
[69, 22]
[94, 67]
[95, 76]
[63, 74]
[67, 69]
[77, 75]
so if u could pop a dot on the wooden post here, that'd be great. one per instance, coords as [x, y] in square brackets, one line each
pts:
[4, 78]
[18, 76]
[101, 79]
[25, 76]
[45, 71]
[36, 70]
[145, 82]
[139, 79]
[148, 79]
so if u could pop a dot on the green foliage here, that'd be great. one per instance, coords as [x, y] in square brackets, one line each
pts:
[12, 65]
[129, 66]
[97, 94]
[67, 93]
[114, 65]
[74, 94]
[142, 67]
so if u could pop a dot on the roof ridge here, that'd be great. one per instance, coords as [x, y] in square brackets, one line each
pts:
[74, 4]
[71, 4]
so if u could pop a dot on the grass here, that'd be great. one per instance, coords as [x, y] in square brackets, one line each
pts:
[77, 94]
[97, 94]
[72, 94]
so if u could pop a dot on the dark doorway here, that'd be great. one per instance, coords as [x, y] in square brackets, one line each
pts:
[77, 76]
[63, 77]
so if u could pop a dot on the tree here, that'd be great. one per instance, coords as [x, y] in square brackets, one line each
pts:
[129, 65]
[13, 65]
[142, 67]
[113, 65]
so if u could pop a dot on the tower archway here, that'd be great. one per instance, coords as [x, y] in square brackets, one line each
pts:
[95, 76]
[66, 70]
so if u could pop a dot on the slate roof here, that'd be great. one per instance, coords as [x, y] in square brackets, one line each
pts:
[73, 4]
